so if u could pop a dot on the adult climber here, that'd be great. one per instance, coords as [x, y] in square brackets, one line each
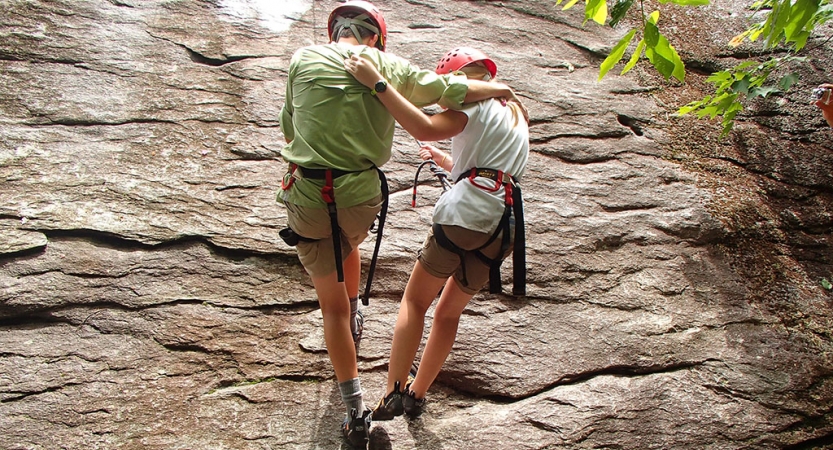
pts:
[338, 134]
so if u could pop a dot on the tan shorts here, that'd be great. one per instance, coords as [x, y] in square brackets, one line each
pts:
[318, 257]
[443, 263]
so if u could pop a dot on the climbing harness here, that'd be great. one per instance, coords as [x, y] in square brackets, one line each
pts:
[513, 209]
[328, 195]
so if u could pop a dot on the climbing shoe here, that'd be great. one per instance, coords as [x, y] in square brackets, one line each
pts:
[357, 334]
[357, 429]
[390, 406]
[411, 405]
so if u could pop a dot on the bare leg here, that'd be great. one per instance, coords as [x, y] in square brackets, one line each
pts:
[335, 309]
[352, 273]
[420, 292]
[443, 333]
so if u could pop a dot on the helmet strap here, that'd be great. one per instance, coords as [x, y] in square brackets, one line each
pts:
[352, 23]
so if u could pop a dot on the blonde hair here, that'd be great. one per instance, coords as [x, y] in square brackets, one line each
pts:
[478, 71]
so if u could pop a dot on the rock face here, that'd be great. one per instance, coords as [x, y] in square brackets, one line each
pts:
[675, 294]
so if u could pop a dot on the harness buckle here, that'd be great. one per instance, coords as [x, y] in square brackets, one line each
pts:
[289, 177]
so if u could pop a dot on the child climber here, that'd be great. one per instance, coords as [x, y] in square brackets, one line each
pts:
[489, 151]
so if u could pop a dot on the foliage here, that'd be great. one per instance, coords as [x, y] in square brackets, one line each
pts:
[652, 43]
[744, 81]
[785, 25]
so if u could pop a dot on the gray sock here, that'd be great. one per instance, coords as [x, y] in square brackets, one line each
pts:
[354, 309]
[351, 394]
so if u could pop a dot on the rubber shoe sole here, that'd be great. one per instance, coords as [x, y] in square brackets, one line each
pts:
[389, 406]
[357, 429]
[411, 405]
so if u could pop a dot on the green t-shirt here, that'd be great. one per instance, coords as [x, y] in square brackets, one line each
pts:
[332, 120]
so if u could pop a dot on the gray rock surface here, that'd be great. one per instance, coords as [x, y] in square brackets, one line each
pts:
[146, 302]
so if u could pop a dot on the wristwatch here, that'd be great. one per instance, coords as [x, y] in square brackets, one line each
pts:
[380, 86]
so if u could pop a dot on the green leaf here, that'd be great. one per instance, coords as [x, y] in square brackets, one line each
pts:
[616, 54]
[569, 4]
[777, 21]
[596, 10]
[707, 111]
[741, 85]
[786, 82]
[640, 47]
[745, 65]
[619, 10]
[800, 39]
[826, 284]
[762, 91]
[661, 54]
[723, 75]
[688, 108]
[801, 13]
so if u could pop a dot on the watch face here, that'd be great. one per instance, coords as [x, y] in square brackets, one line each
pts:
[380, 86]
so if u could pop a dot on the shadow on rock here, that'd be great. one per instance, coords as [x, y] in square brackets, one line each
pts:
[423, 438]
[379, 440]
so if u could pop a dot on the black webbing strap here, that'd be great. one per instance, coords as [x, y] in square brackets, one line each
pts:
[446, 243]
[328, 194]
[495, 286]
[379, 228]
[514, 203]
[519, 251]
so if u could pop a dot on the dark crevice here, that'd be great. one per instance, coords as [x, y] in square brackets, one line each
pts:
[769, 174]
[301, 378]
[815, 443]
[94, 123]
[626, 208]
[593, 137]
[115, 241]
[13, 318]
[213, 62]
[37, 60]
[16, 396]
[19, 254]
[631, 122]
[588, 51]
[29, 320]
[619, 371]
[189, 348]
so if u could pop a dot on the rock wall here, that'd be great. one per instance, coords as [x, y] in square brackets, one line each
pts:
[674, 296]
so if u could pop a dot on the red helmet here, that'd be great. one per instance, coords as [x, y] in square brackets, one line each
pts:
[360, 7]
[462, 56]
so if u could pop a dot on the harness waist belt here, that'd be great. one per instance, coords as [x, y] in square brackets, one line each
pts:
[492, 174]
[321, 174]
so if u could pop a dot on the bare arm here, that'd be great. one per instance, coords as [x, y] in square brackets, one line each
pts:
[442, 158]
[421, 126]
[481, 90]
[826, 104]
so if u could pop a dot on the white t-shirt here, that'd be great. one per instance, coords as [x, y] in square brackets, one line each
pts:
[491, 140]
